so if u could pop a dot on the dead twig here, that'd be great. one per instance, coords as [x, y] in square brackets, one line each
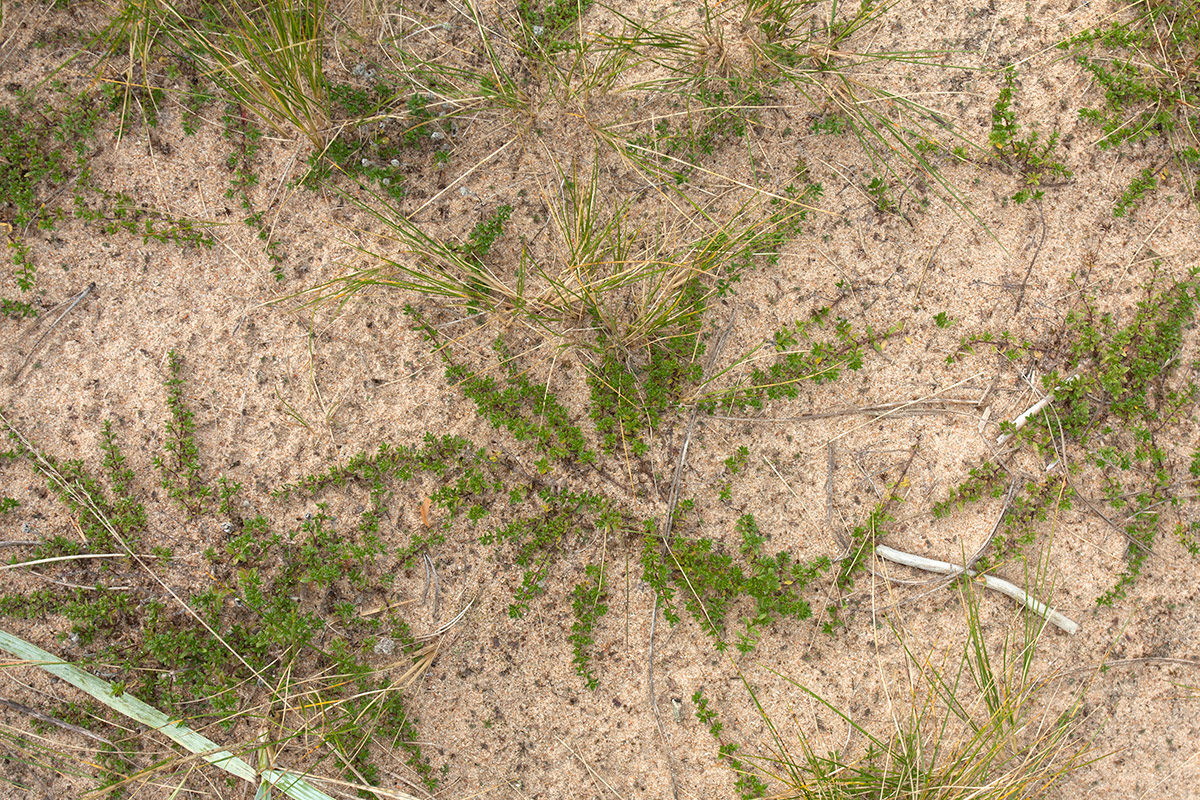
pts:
[672, 500]
[1032, 261]
[448, 624]
[829, 501]
[923, 406]
[989, 581]
[902, 406]
[38, 715]
[1030, 412]
[929, 262]
[437, 585]
[74, 302]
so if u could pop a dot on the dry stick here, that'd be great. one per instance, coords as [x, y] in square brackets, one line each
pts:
[79, 557]
[829, 501]
[970, 562]
[929, 262]
[1032, 261]
[33, 712]
[990, 582]
[881, 408]
[76, 301]
[450, 623]
[672, 499]
[595, 774]
[466, 174]
[437, 587]
[924, 399]
[425, 591]
[1026, 415]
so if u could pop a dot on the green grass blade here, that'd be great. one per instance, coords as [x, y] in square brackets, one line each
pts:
[289, 783]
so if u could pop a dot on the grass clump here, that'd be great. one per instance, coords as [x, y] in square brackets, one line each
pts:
[972, 726]
[745, 57]
[717, 116]
[267, 58]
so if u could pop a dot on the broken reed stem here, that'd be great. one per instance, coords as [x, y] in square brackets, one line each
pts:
[1020, 421]
[989, 581]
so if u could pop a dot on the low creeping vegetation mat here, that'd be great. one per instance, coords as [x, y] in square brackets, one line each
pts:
[542, 398]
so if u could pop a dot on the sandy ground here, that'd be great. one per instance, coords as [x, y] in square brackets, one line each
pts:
[501, 706]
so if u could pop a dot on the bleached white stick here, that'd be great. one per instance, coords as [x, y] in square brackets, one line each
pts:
[999, 584]
[1020, 421]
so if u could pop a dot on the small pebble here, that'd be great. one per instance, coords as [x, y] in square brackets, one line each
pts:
[385, 647]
